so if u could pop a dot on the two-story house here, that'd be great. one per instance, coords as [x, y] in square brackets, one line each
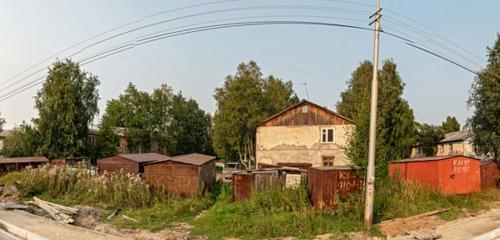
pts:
[304, 134]
[454, 143]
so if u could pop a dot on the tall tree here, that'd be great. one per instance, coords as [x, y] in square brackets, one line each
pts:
[484, 97]
[450, 125]
[106, 142]
[245, 99]
[191, 127]
[428, 138]
[67, 104]
[395, 121]
[132, 111]
[23, 141]
[176, 124]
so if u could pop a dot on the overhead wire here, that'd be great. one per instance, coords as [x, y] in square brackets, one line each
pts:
[249, 8]
[161, 35]
[167, 11]
[184, 32]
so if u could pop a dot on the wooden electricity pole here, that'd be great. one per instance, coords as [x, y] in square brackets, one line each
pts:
[370, 175]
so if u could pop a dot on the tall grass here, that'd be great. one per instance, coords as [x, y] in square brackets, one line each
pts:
[277, 212]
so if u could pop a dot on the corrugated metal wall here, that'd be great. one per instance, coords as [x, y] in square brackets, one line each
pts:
[328, 184]
[114, 164]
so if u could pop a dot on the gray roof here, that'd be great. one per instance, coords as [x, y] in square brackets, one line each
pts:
[144, 157]
[24, 160]
[435, 158]
[457, 136]
[192, 159]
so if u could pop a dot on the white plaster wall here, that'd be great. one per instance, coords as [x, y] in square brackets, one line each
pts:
[300, 144]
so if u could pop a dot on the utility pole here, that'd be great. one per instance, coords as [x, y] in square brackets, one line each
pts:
[370, 175]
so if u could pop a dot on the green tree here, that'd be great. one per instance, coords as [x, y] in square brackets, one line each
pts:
[484, 97]
[428, 138]
[395, 121]
[176, 124]
[106, 142]
[191, 127]
[67, 104]
[23, 141]
[244, 100]
[132, 111]
[450, 125]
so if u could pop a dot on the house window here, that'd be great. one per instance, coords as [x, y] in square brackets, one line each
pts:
[328, 161]
[441, 148]
[305, 109]
[451, 148]
[327, 135]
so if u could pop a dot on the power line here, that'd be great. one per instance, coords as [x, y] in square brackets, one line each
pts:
[29, 85]
[152, 38]
[432, 41]
[267, 7]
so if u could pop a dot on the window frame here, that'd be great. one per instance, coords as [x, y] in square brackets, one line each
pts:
[324, 135]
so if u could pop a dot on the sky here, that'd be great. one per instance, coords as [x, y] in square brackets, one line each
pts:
[196, 64]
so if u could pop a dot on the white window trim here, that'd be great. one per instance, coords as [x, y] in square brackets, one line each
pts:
[326, 129]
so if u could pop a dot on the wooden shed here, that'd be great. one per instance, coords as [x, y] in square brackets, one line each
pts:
[490, 174]
[448, 174]
[131, 163]
[17, 163]
[328, 184]
[184, 175]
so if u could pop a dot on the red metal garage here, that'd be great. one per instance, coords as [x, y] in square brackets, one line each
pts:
[449, 174]
[129, 163]
[184, 175]
[490, 174]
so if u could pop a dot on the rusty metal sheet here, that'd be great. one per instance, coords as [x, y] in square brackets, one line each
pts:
[326, 185]
[180, 179]
[243, 185]
[116, 164]
[490, 175]
[449, 175]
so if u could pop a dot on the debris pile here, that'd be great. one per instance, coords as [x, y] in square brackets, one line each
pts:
[55, 211]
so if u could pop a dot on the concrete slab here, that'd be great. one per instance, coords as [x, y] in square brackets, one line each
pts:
[29, 226]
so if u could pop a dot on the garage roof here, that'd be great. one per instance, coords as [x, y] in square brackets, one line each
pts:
[435, 158]
[192, 159]
[144, 157]
[24, 160]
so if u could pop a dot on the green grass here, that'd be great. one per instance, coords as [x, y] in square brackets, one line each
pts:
[276, 212]
[269, 214]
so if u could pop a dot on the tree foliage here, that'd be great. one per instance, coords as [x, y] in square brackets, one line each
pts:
[395, 121]
[67, 104]
[450, 125]
[428, 138]
[484, 97]
[170, 120]
[23, 141]
[245, 99]
[106, 142]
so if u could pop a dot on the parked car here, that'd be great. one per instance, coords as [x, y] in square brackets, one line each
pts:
[229, 169]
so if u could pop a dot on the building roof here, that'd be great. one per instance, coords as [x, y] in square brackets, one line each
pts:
[457, 136]
[306, 102]
[192, 159]
[435, 158]
[24, 160]
[144, 157]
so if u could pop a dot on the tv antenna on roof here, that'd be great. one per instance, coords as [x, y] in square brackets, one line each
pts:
[307, 91]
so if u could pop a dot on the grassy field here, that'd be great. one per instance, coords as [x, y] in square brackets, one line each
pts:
[273, 213]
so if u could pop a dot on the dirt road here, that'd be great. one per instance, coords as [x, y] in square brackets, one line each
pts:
[25, 223]
[467, 228]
